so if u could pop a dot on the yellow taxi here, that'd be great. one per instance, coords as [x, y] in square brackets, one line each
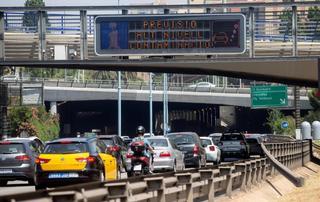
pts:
[72, 160]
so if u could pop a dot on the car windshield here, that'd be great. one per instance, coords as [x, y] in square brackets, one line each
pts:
[12, 148]
[231, 137]
[158, 142]
[180, 139]
[66, 148]
[108, 142]
[205, 142]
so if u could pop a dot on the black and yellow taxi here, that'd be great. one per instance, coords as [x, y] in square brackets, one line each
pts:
[72, 160]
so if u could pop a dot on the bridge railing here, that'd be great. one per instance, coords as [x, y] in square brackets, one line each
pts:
[272, 25]
[204, 184]
[144, 85]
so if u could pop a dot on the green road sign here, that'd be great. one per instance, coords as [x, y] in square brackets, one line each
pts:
[269, 96]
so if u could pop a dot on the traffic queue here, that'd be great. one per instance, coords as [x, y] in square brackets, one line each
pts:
[106, 157]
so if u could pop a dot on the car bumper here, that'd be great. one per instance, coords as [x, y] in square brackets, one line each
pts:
[212, 156]
[163, 164]
[192, 161]
[23, 172]
[84, 176]
[234, 153]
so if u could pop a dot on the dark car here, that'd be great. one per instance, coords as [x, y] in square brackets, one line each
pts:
[17, 159]
[190, 145]
[116, 146]
[254, 141]
[233, 145]
[73, 160]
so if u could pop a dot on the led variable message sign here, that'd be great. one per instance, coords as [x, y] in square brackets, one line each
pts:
[170, 34]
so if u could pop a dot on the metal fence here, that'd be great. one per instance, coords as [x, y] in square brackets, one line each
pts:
[272, 33]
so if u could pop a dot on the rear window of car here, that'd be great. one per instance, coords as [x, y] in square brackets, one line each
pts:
[108, 141]
[231, 137]
[158, 142]
[11, 148]
[66, 148]
[251, 140]
[180, 139]
[205, 142]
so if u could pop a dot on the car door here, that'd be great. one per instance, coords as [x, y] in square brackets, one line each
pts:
[109, 162]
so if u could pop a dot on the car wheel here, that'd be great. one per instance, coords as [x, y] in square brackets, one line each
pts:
[3, 182]
[31, 182]
[40, 186]
[198, 165]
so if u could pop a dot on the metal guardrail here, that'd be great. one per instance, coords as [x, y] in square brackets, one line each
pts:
[190, 185]
[203, 184]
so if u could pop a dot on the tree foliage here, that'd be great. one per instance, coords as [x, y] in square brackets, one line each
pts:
[30, 18]
[275, 120]
[314, 16]
[314, 99]
[36, 121]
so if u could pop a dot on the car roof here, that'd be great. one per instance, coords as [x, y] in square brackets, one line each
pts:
[71, 139]
[182, 133]
[157, 137]
[215, 134]
[107, 136]
[16, 140]
[205, 138]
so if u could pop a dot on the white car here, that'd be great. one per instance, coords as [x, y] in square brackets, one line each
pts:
[202, 85]
[213, 153]
[9, 78]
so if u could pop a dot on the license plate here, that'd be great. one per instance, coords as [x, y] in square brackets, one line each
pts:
[137, 167]
[63, 175]
[5, 171]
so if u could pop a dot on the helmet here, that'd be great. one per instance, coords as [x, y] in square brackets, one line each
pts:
[140, 130]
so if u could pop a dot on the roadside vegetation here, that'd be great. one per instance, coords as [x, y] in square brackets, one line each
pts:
[35, 121]
[275, 120]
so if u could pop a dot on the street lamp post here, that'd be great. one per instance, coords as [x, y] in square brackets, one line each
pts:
[119, 103]
[150, 103]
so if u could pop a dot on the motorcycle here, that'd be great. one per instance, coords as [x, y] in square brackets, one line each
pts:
[140, 164]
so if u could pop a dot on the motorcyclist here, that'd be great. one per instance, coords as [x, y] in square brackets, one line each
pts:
[140, 137]
[148, 152]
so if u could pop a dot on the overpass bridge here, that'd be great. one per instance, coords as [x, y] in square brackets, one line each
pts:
[59, 90]
[277, 48]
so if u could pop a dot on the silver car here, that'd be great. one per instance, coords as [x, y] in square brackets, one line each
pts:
[17, 159]
[167, 156]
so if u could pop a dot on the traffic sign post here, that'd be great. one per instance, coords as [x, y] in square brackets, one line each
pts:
[269, 96]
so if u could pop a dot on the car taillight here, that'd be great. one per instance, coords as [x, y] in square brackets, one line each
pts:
[5, 142]
[165, 154]
[212, 148]
[89, 159]
[23, 158]
[129, 155]
[113, 148]
[196, 150]
[41, 161]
